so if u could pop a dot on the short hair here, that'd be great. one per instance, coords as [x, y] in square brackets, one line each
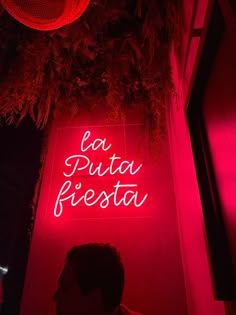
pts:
[98, 266]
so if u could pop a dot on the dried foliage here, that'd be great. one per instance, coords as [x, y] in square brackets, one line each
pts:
[116, 55]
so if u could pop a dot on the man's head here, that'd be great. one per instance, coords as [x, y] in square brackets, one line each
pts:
[91, 282]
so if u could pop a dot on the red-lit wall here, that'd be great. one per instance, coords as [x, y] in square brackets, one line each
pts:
[199, 292]
[147, 237]
[219, 92]
[219, 109]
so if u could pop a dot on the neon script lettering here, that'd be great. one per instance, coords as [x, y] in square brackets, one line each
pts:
[122, 194]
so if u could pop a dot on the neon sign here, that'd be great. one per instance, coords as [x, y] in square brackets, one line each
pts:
[122, 194]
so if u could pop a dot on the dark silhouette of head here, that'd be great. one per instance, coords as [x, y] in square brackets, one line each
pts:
[91, 282]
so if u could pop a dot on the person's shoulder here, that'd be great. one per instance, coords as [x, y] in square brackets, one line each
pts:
[126, 311]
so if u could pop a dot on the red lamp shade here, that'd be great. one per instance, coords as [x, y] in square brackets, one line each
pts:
[45, 15]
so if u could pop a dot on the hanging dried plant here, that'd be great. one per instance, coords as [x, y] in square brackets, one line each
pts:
[116, 55]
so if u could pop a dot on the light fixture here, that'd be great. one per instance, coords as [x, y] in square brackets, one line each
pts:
[3, 270]
[45, 15]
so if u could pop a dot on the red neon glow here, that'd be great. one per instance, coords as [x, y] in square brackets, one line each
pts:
[98, 169]
[100, 143]
[147, 237]
[76, 163]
